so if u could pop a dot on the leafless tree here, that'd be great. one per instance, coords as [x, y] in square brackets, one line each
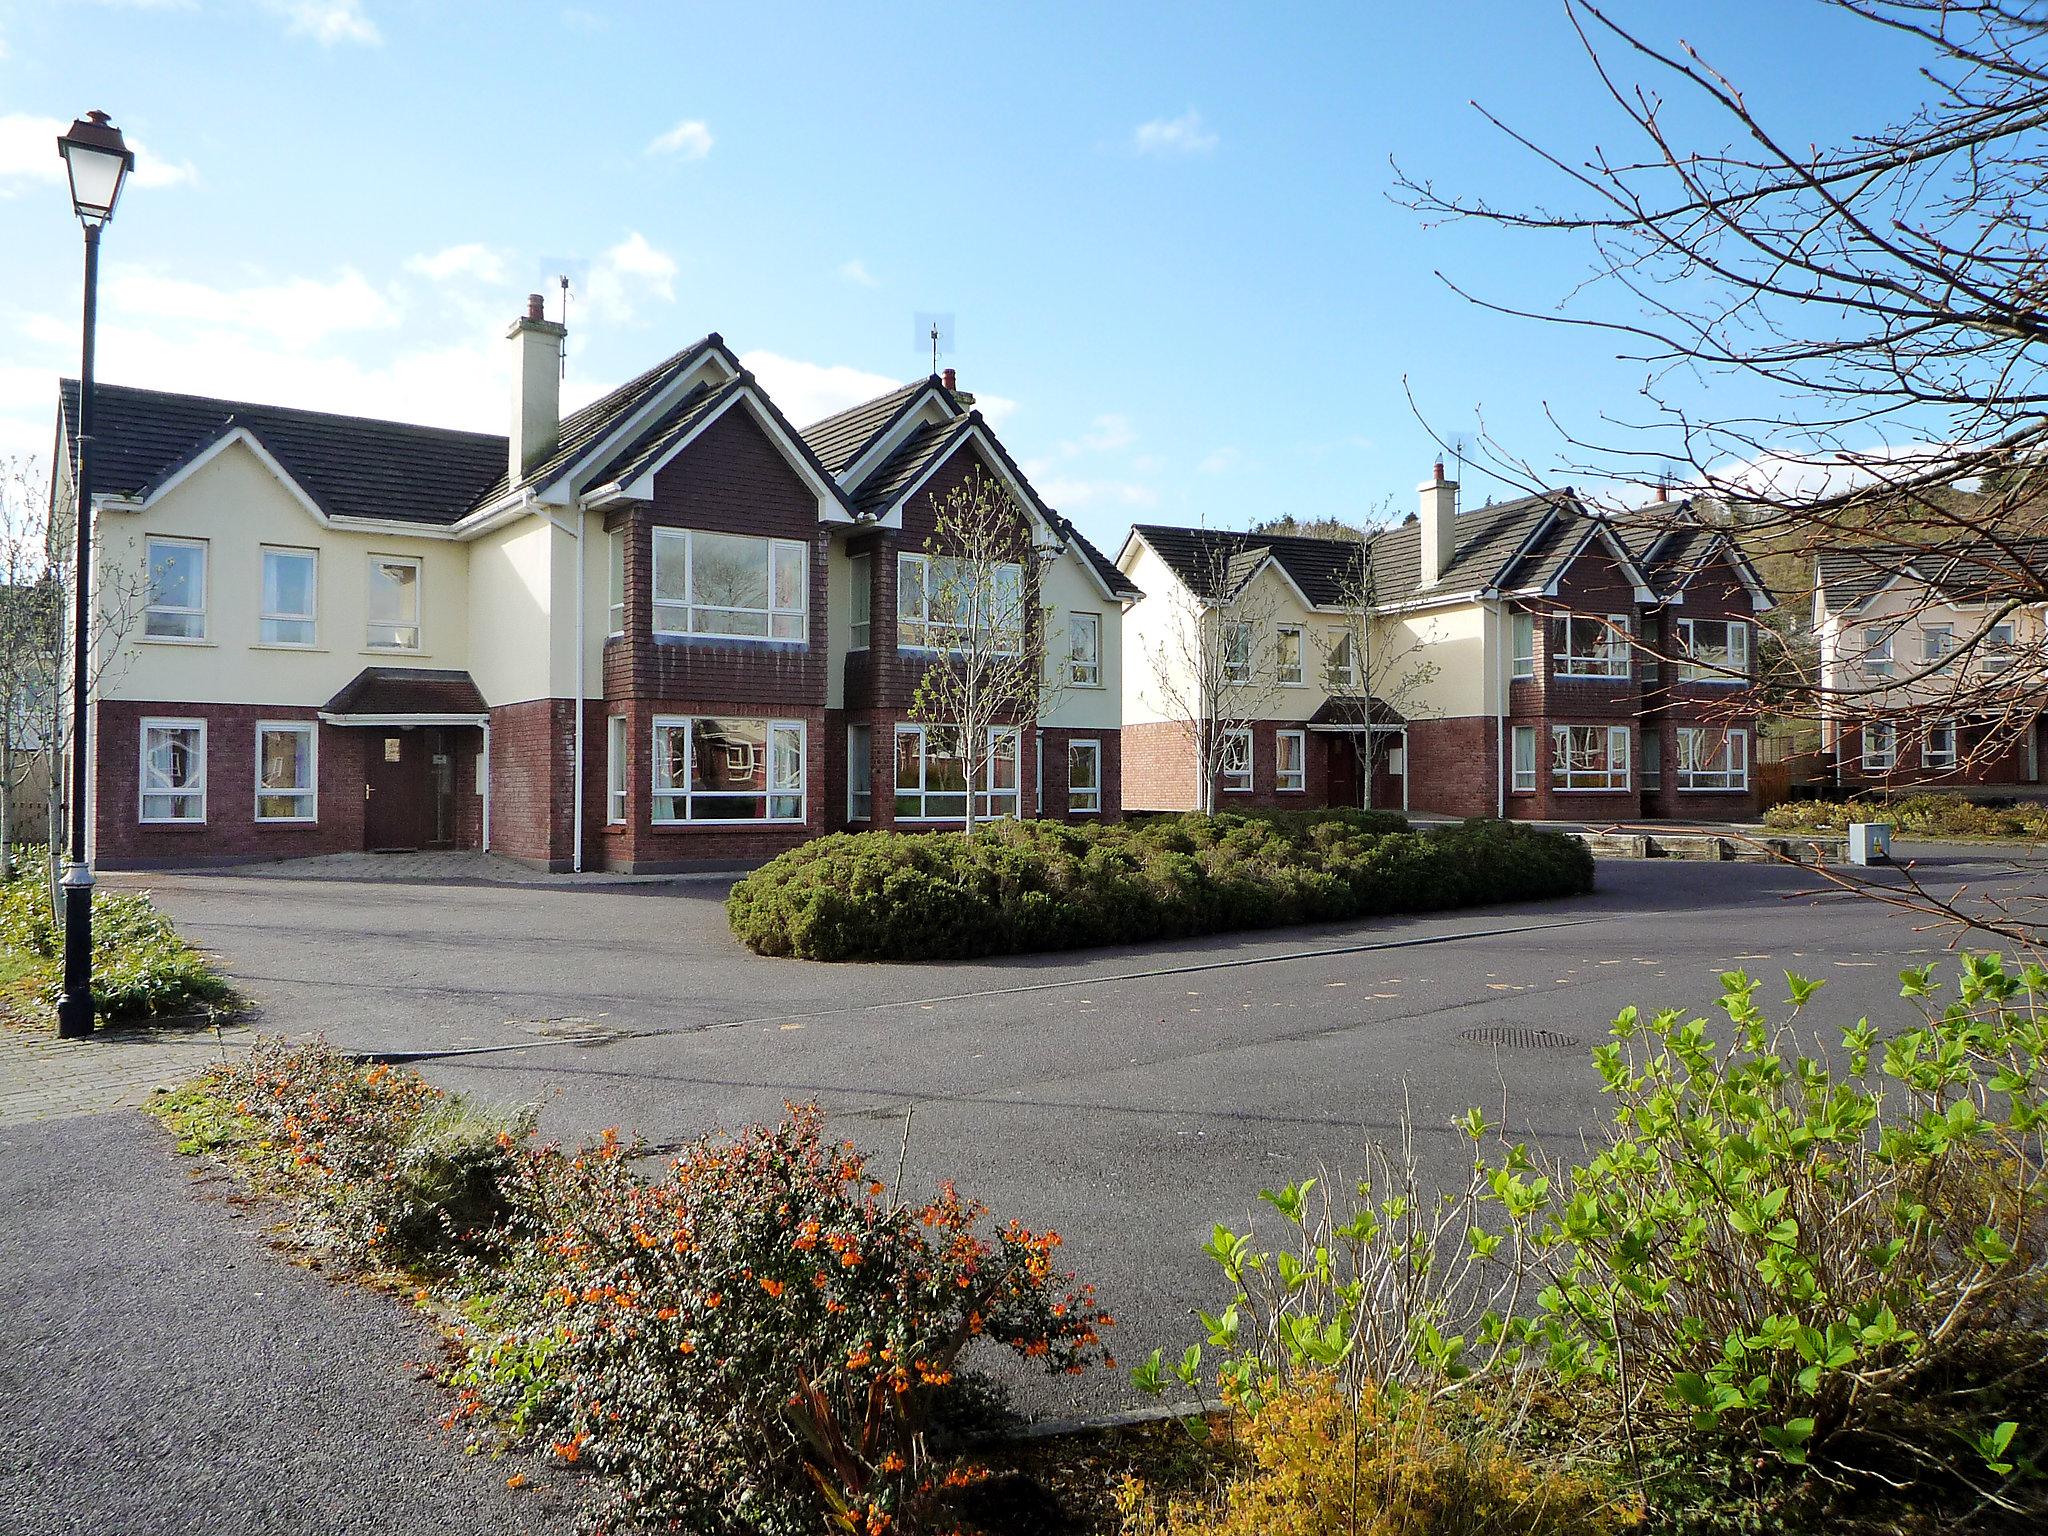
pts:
[1371, 660]
[1216, 668]
[31, 625]
[974, 608]
[1842, 343]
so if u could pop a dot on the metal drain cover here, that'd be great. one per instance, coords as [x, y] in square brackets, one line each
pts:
[574, 1030]
[1518, 1039]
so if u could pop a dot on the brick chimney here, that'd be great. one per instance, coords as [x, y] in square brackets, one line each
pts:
[536, 386]
[948, 377]
[1436, 528]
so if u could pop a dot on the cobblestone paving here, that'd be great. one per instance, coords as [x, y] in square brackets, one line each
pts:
[44, 1078]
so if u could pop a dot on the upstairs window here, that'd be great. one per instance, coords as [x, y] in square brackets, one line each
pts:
[861, 573]
[726, 586]
[1523, 632]
[944, 604]
[1237, 651]
[1084, 650]
[1340, 667]
[177, 589]
[1713, 651]
[394, 604]
[1995, 654]
[1592, 647]
[1589, 757]
[1290, 646]
[291, 586]
[1937, 641]
[615, 584]
[1877, 654]
[1712, 759]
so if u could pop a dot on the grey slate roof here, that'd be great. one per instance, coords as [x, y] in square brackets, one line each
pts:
[1671, 555]
[1977, 572]
[917, 453]
[843, 437]
[407, 691]
[352, 466]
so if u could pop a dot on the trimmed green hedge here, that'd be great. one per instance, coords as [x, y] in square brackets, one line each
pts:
[1021, 886]
[1930, 815]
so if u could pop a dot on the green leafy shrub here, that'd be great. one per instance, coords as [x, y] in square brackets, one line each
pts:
[757, 1340]
[1925, 815]
[141, 968]
[1026, 886]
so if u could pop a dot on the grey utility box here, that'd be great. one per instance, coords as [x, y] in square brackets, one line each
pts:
[1870, 842]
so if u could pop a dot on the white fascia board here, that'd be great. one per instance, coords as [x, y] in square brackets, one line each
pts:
[559, 491]
[1440, 600]
[1639, 588]
[1272, 562]
[829, 509]
[908, 420]
[242, 435]
[979, 433]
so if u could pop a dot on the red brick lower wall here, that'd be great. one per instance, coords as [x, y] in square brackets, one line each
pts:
[1454, 767]
[532, 760]
[1052, 803]
[1159, 766]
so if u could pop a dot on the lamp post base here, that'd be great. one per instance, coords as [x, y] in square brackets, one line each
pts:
[74, 1003]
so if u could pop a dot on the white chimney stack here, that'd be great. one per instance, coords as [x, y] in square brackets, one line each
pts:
[1437, 527]
[536, 386]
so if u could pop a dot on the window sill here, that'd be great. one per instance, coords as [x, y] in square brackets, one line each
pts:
[387, 650]
[1601, 789]
[782, 823]
[287, 821]
[764, 642]
[1726, 789]
[192, 826]
[279, 645]
[174, 640]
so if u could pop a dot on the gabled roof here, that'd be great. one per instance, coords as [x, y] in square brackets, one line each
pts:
[1980, 571]
[1672, 555]
[898, 473]
[842, 438]
[1119, 584]
[350, 466]
[1215, 565]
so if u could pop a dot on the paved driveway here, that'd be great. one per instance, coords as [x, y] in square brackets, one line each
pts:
[1127, 1098]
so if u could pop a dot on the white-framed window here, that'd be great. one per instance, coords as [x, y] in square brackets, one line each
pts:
[1289, 647]
[1237, 651]
[725, 770]
[1589, 757]
[1995, 653]
[1237, 760]
[291, 596]
[1525, 759]
[1522, 630]
[1592, 647]
[1938, 744]
[615, 770]
[1290, 761]
[177, 589]
[1340, 666]
[1650, 768]
[1084, 650]
[173, 778]
[1713, 651]
[394, 603]
[1880, 746]
[860, 773]
[931, 774]
[1877, 653]
[1712, 759]
[615, 583]
[860, 573]
[1936, 641]
[731, 586]
[1084, 776]
[287, 771]
[941, 605]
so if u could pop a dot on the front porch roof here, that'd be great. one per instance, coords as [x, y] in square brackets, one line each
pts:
[423, 695]
[1344, 713]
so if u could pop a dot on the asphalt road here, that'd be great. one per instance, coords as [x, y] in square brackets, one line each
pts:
[164, 1371]
[1128, 1099]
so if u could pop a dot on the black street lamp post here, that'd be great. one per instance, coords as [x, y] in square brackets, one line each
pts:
[98, 162]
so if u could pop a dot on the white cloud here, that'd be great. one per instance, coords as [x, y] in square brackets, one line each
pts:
[856, 272]
[28, 153]
[295, 314]
[577, 19]
[329, 22]
[1183, 135]
[995, 409]
[470, 260]
[1070, 494]
[690, 139]
[1219, 461]
[1787, 476]
[807, 391]
[633, 270]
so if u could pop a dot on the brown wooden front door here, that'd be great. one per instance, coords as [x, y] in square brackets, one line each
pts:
[1343, 760]
[395, 815]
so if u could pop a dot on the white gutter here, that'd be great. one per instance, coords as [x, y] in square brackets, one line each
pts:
[487, 784]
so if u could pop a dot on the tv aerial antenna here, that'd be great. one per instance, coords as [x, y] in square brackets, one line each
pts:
[570, 276]
[935, 332]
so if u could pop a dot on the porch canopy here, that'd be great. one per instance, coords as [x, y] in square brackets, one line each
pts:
[407, 696]
[1344, 713]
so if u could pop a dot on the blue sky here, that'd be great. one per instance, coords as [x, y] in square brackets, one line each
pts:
[1164, 231]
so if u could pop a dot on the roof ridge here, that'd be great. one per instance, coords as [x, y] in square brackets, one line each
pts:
[231, 406]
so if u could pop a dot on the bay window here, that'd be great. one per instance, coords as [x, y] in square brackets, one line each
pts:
[730, 586]
[615, 770]
[1589, 757]
[615, 583]
[1525, 760]
[1084, 776]
[173, 778]
[931, 774]
[177, 589]
[287, 776]
[860, 773]
[1237, 761]
[1522, 628]
[1290, 761]
[1592, 647]
[1713, 651]
[724, 770]
[1712, 760]
[943, 604]
[394, 604]
[861, 576]
[290, 596]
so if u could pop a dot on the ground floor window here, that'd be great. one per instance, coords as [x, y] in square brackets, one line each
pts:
[860, 773]
[1237, 761]
[1880, 746]
[174, 770]
[1084, 776]
[725, 770]
[1710, 759]
[615, 769]
[1589, 757]
[286, 772]
[1652, 769]
[1938, 746]
[1525, 759]
[931, 774]
[1290, 761]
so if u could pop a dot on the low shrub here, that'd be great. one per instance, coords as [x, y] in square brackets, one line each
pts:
[1925, 815]
[1026, 886]
[141, 968]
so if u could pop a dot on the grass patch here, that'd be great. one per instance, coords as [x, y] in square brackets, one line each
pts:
[1026, 886]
